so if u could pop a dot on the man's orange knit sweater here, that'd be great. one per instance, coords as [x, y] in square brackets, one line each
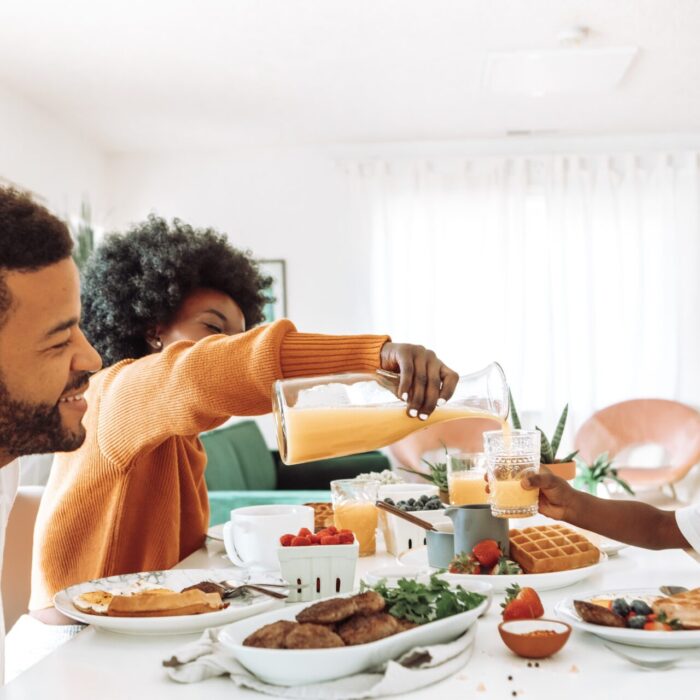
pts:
[133, 497]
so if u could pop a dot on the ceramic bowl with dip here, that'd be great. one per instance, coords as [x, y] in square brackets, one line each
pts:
[534, 639]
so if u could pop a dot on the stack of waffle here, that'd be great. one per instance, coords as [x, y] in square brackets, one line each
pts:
[684, 607]
[547, 548]
[323, 515]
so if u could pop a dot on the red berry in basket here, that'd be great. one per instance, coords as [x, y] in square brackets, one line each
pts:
[330, 539]
[304, 532]
[345, 532]
[286, 540]
[346, 537]
[301, 542]
[332, 530]
[315, 539]
[487, 552]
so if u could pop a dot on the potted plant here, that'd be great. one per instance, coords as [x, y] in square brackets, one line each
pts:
[437, 475]
[83, 234]
[566, 467]
[590, 477]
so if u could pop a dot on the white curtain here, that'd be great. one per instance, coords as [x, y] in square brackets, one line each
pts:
[580, 274]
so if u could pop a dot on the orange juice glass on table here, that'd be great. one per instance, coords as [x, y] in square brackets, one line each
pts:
[354, 509]
[336, 415]
[509, 456]
[465, 478]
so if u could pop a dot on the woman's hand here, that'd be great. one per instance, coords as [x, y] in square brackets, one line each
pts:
[557, 497]
[425, 381]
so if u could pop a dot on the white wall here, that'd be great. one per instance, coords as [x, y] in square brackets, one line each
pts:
[291, 204]
[52, 159]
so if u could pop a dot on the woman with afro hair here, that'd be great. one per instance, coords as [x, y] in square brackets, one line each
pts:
[174, 312]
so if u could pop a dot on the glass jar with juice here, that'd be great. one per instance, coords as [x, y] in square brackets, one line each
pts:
[465, 479]
[354, 509]
[335, 415]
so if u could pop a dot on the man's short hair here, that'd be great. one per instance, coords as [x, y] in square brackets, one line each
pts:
[30, 238]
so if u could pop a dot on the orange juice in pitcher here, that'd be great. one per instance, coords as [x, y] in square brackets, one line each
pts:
[335, 415]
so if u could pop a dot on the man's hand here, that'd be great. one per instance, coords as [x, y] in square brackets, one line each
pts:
[557, 497]
[424, 380]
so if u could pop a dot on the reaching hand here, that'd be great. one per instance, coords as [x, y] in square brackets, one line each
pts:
[424, 380]
[556, 496]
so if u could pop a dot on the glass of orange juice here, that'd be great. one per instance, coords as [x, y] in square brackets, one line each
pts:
[354, 509]
[508, 457]
[465, 478]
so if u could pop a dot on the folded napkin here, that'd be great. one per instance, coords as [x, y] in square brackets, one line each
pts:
[417, 668]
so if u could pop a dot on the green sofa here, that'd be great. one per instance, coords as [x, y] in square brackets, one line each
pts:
[242, 471]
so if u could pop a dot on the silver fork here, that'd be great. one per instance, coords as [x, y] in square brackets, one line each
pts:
[236, 591]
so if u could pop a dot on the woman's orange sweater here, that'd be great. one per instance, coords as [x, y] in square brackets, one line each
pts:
[133, 497]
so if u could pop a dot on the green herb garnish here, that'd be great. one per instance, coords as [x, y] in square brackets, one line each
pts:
[421, 603]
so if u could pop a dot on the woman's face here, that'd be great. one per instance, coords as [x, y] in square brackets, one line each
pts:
[204, 312]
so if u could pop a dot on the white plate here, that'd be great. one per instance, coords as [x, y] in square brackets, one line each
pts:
[303, 666]
[216, 532]
[680, 639]
[418, 558]
[176, 579]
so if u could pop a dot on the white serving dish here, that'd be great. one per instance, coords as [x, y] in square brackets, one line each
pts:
[418, 558]
[292, 667]
[175, 579]
[319, 571]
[678, 639]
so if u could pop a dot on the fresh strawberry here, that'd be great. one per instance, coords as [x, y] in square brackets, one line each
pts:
[345, 532]
[656, 626]
[315, 539]
[301, 542]
[330, 539]
[304, 532]
[505, 567]
[518, 610]
[487, 552]
[323, 532]
[346, 537]
[286, 540]
[332, 530]
[521, 603]
[464, 564]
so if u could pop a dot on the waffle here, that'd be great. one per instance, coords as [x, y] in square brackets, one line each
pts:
[323, 515]
[547, 548]
[684, 607]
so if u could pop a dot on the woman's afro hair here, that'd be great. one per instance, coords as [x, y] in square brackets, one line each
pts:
[138, 280]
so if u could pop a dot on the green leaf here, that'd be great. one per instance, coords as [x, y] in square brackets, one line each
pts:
[570, 457]
[514, 417]
[546, 454]
[624, 485]
[556, 438]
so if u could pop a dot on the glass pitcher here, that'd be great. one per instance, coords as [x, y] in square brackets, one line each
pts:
[340, 414]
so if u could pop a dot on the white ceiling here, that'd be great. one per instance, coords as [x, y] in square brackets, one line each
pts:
[145, 75]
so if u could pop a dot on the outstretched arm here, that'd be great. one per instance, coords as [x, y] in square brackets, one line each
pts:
[634, 523]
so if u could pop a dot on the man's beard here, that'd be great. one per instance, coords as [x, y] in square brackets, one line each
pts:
[37, 428]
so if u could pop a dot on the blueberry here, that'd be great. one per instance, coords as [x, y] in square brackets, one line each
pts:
[640, 607]
[423, 499]
[390, 501]
[411, 501]
[402, 506]
[637, 622]
[621, 607]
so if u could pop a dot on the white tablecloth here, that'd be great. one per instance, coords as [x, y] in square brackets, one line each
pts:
[111, 666]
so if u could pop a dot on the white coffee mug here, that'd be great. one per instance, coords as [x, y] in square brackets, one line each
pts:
[252, 536]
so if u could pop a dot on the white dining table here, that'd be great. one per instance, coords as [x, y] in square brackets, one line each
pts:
[102, 665]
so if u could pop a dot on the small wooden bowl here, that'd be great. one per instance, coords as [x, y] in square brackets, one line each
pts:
[519, 638]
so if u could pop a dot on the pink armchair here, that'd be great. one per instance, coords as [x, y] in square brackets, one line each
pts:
[673, 425]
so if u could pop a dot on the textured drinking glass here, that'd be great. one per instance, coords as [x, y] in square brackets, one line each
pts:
[354, 509]
[510, 455]
[465, 478]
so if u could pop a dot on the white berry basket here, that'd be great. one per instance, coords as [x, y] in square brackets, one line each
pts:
[400, 535]
[318, 571]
